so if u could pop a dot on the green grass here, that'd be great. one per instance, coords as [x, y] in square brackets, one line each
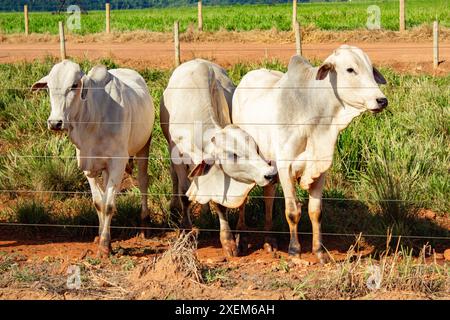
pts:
[327, 16]
[400, 154]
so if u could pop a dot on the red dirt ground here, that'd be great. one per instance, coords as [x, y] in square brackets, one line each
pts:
[405, 57]
[415, 58]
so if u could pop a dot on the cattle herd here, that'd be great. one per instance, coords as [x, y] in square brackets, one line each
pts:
[223, 140]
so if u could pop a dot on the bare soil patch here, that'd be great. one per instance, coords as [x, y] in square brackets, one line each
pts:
[149, 269]
[403, 52]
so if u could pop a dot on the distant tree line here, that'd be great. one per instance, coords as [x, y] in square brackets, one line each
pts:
[53, 5]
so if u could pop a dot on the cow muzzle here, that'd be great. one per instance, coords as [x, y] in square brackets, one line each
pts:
[270, 177]
[55, 125]
[381, 104]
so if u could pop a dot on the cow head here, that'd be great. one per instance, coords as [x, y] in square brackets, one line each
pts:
[354, 79]
[231, 148]
[65, 87]
[236, 153]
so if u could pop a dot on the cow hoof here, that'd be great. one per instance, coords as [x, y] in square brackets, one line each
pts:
[270, 244]
[241, 244]
[104, 247]
[323, 257]
[145, 223]
[229, 248]
[294, 249]
[103, 252]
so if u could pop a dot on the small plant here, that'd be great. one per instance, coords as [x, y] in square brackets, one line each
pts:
[32, 212]
[128, 264]
[214, 274]
[23, 274]
[93, 261]
[283, 265]
[6, 263]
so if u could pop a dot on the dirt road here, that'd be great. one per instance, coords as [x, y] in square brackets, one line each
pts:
[402, 56]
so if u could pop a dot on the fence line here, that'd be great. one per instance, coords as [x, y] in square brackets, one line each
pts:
[239, 88]
[202, 195]
[13, 224]
[236, 49]
[4, 155]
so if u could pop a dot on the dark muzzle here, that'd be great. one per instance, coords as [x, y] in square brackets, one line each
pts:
[55, 125]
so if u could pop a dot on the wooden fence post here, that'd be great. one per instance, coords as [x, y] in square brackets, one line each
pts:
[294, 13]
[62, 41]
[176, 38]
[435, 44]
[200, 16]
[402, 15]
[298, 39]
[108, 17]
[25, 13]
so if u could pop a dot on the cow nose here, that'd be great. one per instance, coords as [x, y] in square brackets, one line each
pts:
[270, 177]
[55, 124]
[382, 102]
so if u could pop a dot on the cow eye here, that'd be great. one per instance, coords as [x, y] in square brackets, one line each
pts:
[351, 70]
[74, 86]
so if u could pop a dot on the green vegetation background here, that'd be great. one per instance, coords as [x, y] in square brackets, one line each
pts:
[323, 15]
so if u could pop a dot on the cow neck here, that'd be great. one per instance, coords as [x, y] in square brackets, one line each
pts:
[342, 114]
[321, 142]
[83, 119]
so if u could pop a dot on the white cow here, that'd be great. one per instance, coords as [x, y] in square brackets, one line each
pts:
[109, 116]
[295, 119]
[220, 158]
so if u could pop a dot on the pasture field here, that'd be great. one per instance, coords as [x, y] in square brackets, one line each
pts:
[401, 154]
[390, 176]
[326, 16]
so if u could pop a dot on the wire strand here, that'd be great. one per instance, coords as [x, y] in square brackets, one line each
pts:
[203, 195]
[8, 224]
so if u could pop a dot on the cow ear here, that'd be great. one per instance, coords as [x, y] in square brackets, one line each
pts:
[200, 170]
[41, 84]
[378, 76]
[324, 70]
[84, 87]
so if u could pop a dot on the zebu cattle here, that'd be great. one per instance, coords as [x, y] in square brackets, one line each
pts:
[109, 116]
[212, 159]
[295, 119]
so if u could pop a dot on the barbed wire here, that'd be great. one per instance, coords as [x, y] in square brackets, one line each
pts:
[106, 46]
[203, 195]
[155, 158]
[180, 159]
[14, 224]
[437, 86]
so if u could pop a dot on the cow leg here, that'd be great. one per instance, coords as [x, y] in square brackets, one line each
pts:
[183, 186]
[175, 205]
[241, 221]
[241, 238]
[117, 169]
[97, 199]
[143, 179]
[315, 215]
[292, 209]
[226, 237]
[270, 242]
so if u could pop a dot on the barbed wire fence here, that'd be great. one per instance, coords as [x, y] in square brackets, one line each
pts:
[178, 53]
